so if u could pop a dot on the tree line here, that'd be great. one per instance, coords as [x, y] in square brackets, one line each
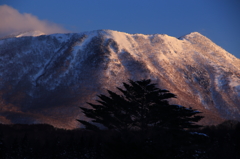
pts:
[44, 142]
[137, 123]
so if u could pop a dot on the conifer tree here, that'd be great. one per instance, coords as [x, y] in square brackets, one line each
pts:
[140, 106]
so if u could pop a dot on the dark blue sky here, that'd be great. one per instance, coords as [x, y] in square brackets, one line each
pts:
[219, 20]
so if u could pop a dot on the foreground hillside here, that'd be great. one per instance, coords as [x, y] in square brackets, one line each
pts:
[44, 79]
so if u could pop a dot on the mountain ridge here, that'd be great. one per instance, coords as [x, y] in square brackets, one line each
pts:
[45, 78]
[23, 34]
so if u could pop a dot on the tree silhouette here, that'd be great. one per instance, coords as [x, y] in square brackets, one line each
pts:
[140, 106]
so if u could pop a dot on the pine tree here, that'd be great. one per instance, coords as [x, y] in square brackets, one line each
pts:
[140, 106]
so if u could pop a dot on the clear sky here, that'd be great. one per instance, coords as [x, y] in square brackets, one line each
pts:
[219, 20]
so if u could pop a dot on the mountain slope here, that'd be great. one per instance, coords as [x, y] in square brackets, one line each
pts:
[45, 78]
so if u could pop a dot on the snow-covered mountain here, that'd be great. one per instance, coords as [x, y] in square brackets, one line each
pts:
[44, 79]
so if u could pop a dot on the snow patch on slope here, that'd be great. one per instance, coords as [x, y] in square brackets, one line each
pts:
[80, 46]
[124, 40]
[235, 84]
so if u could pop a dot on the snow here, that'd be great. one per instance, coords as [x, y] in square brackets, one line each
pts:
[235, 84]
[30, 33]
[80, 46]
[219, 81]
[124, 40]
[174, 44]
[39, 73]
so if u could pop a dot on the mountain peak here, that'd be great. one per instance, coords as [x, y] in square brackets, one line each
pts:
[191, 35]
[195, 33]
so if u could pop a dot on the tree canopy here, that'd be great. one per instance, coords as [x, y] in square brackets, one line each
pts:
[141, 105]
